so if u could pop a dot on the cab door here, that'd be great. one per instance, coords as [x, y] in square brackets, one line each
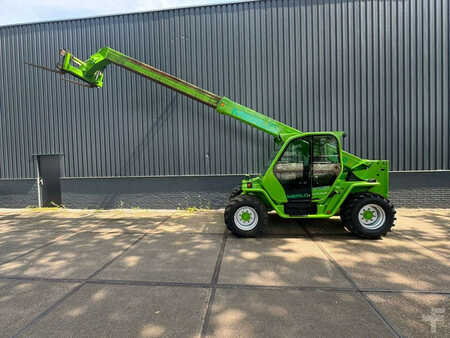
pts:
[307, 168]
[293, 169]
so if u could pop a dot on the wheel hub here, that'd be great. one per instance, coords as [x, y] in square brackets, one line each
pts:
[368, 215]
[372, 216]
[246, 218]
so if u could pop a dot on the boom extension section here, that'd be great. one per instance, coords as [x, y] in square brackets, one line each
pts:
[91, 71]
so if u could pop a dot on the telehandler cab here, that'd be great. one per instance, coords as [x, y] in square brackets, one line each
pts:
[309, 176]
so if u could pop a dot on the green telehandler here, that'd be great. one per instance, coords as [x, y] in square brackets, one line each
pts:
[309, 175]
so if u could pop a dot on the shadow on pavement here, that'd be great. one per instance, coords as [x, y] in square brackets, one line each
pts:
[282, 283]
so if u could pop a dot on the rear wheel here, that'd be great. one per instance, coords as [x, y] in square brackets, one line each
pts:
[246, 216]
[368, 215]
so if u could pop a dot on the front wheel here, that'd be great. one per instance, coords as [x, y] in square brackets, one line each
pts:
[368, 215]
[246, 216]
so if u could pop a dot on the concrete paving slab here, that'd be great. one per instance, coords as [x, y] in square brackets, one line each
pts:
[169, 258]
[390, 263]
[126, 311]
[440, 247]
[127, 220]
[288, 313]
[122, 226]
[13, 244]
[429, 228]
[44, 223]
[325, 227]
[278, 261]
[185, 249]
[133, 213]
[283, 227]
[120, 220]
[21, 301]
[424, 224]
[204, 221]
[416, 315]
[77, 256]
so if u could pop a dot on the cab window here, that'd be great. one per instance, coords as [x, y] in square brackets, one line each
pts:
[293, 169]
[326, 163]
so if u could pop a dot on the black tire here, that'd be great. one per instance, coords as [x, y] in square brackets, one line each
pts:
[254, 205]
[354, 205]
[235, 192]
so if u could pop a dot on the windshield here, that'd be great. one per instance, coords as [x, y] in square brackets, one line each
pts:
[277, 147]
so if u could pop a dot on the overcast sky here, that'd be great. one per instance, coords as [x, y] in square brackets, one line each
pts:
[25, 11]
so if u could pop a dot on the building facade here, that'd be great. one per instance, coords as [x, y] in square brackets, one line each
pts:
[377, 70]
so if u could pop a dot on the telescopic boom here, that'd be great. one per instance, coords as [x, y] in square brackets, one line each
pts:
[91, 71]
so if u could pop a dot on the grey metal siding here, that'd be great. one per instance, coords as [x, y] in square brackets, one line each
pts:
[376, 69]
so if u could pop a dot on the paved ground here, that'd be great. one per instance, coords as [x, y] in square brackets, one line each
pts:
[173, 273]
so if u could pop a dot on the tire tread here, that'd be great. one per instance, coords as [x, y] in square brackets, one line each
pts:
[237, 190]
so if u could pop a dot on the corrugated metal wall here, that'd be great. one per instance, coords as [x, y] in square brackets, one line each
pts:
[376, 69]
